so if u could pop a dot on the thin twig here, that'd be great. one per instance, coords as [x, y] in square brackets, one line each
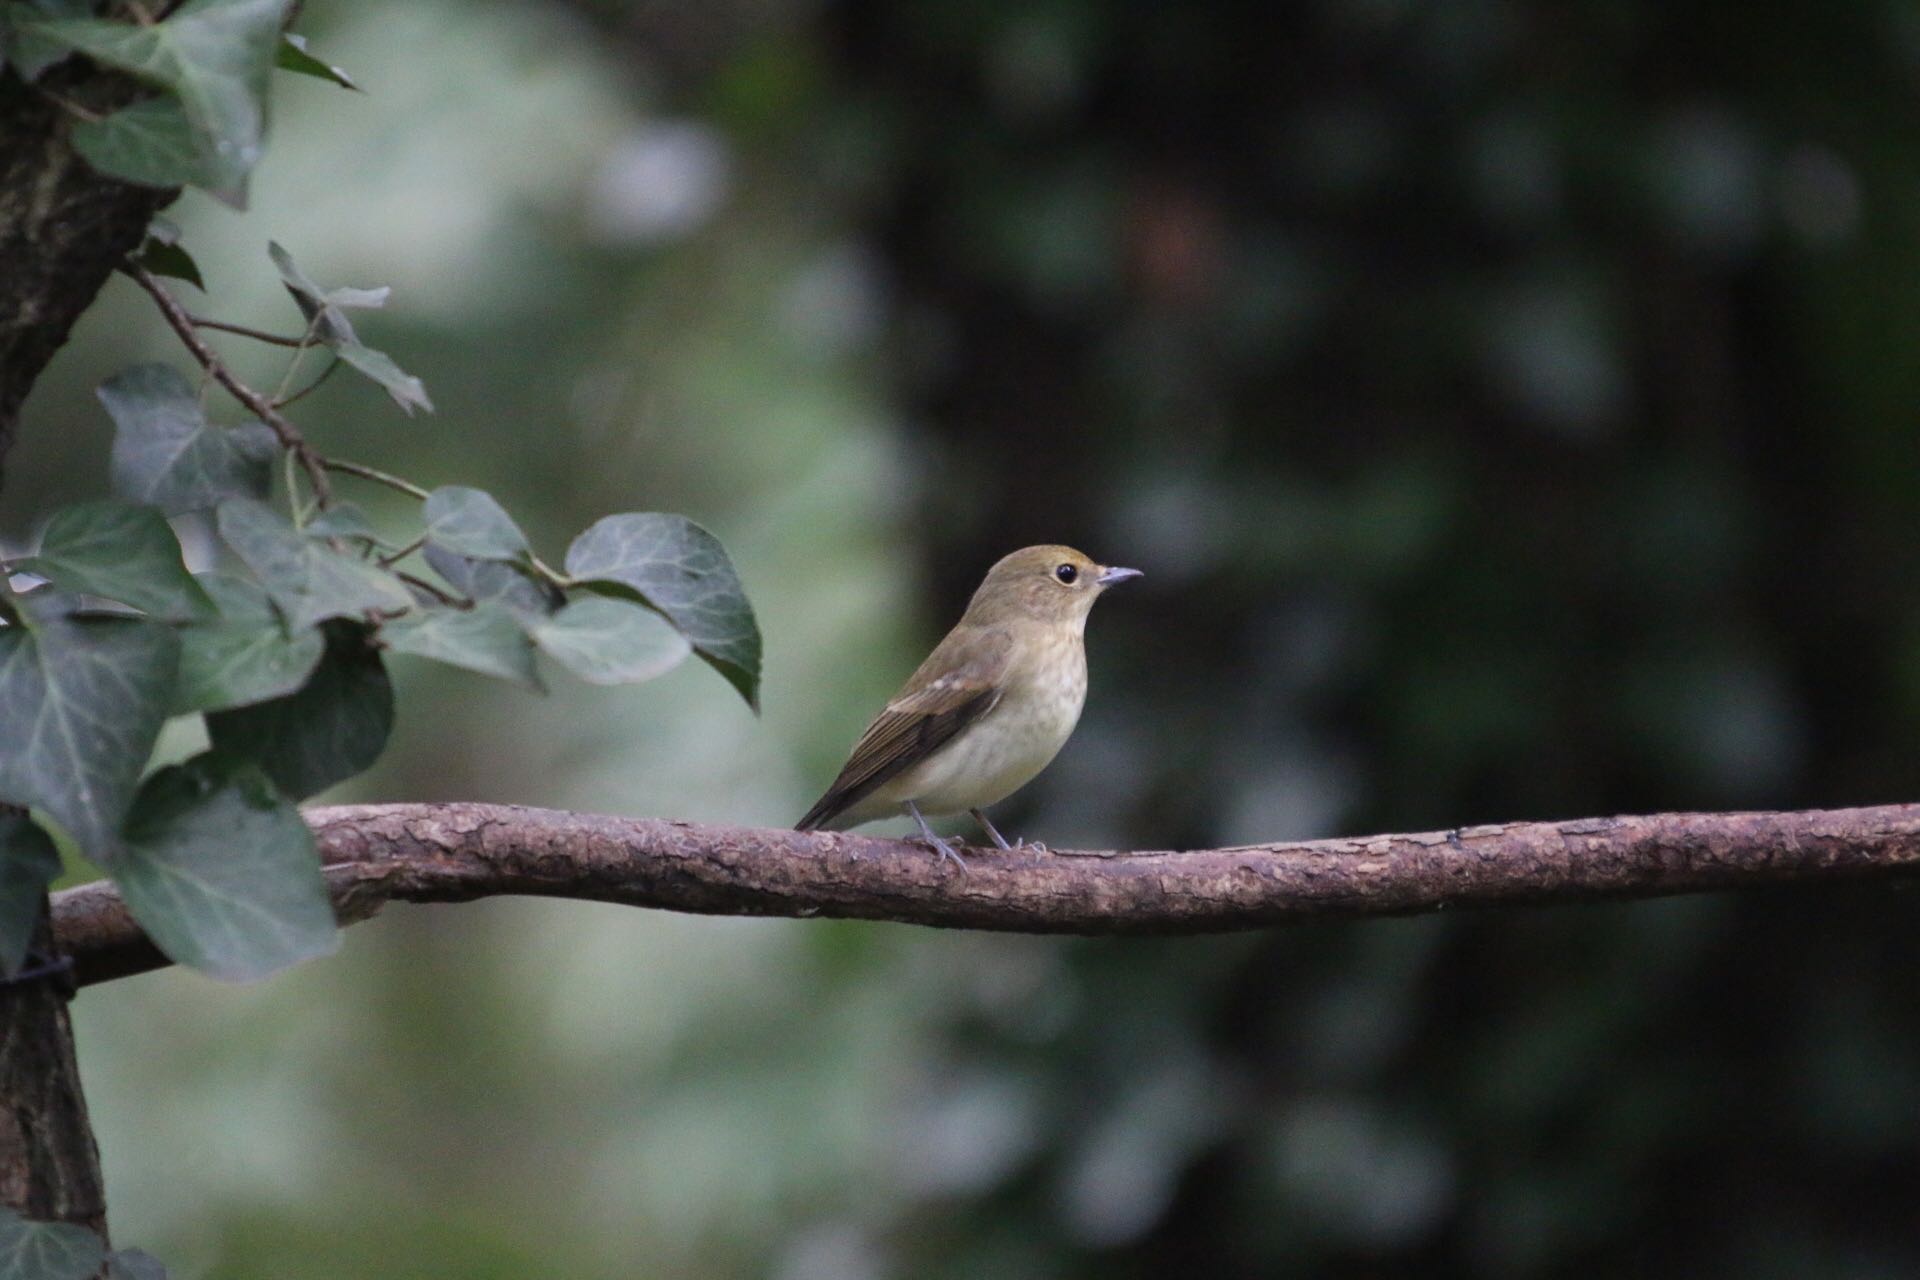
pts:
[258, 335]
[387, 562]
[293, 366]
[255, 403]
[458, 602]
[283, 401]
[69, 106]
[365, 472]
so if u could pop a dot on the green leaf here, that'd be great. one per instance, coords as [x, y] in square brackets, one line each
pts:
[47, 1250]
[123, 552]
[134, 1264]
[244, 656]
[307, 579]
[608, 641]
[222, 873]
[671, 564]
[81, 700]
[162, 253]
[483, 580]
[27, 54]
[470, 523]
[345, 521]
[325, 310]
[166, 453]
[486, 638]
[335, 726]
[293, 56]
[212, 55]
[150, 142]
[28, 863]
[406, 390]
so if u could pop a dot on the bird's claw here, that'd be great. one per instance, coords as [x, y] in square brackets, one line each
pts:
[1032, 846]
[947, 848]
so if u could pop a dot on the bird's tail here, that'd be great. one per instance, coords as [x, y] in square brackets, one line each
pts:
[829, 813]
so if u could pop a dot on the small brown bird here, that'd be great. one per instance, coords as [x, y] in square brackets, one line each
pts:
[988, 709]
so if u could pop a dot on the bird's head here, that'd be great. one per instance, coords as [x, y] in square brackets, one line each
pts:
[1047, 584]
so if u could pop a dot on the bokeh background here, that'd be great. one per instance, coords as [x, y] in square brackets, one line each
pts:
[1511, 405]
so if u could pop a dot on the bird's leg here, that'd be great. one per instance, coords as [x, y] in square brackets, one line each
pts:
[1000, 841]
[944, 844]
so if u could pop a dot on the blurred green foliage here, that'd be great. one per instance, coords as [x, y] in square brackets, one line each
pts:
[1509, 404]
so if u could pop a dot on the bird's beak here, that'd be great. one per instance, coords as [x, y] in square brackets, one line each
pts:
[1110, 576]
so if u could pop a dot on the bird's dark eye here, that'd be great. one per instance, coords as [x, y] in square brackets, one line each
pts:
[1066, 573]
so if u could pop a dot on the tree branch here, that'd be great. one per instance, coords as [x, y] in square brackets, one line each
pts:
[377, 854]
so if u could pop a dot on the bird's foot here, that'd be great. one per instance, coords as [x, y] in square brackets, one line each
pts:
[1032, 846]
[948, 847]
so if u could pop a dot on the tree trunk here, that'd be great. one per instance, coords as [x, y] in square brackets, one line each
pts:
[49, 1165]
[63, 229]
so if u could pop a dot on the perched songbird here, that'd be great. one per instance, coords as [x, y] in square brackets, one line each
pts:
[987, 710]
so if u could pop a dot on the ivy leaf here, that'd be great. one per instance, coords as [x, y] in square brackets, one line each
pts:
[333, 727]
[406, 390]
[486, 639]
[162, 253]
[347, 522]
[293, 56]
[81, 699]
[214, 56]
[47, 1250]
[150, 142]
[608, 641]
[485, 580]
[123, 552]
[28, 863]
[307, 579]
[134, 1264]
[166, 453]
[673, 565]
[27, 54]
[470, 523]
[245, 655]
[325, 310]
[222, 873]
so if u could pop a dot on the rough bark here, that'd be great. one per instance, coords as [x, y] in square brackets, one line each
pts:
[63, 229]
[49, 1166]
[458, 852]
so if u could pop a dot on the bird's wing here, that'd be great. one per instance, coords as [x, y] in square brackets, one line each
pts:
[960, 681]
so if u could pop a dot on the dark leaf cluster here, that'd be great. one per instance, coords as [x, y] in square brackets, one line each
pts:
[282, 648]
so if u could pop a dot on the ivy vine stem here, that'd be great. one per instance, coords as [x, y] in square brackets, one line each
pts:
[387, 562]
[288, 435]
[374, 474]
[553, 576]
[281, 402]
[258, 335]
